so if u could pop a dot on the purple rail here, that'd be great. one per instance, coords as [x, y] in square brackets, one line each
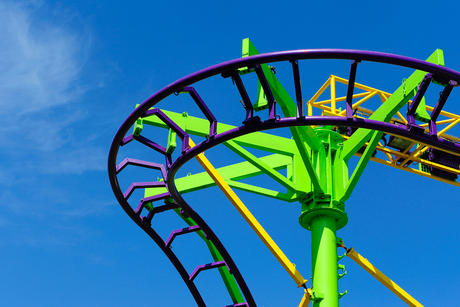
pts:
[207, 266]
[179, 232]
[230, 68]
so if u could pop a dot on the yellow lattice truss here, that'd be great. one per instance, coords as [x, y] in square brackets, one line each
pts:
[408, 160]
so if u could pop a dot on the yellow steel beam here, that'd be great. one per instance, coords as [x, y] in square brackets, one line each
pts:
[306, 298]
[456, 121]
[250, 219]
[319, 92]
[340, 99]
[332, 87]
[358, 103]
[387, 282]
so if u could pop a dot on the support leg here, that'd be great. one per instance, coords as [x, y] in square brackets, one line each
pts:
[324, 262]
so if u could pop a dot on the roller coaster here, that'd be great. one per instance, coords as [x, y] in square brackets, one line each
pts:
[303, 148]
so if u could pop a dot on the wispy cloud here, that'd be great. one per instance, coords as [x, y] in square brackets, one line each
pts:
[42, 82]
[50, 143]
[75, 162]
[41, 61]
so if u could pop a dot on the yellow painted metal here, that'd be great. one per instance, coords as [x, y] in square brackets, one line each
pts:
[454, 122]
[414, 159]
[440, 122]
[333, 105]
[329, 107]
[306, 298]
[319, 92]
[415, 171]
[401, 117]
[339, 99]
[250, 219]
[405, 152]
[387, 282]
[361, 101]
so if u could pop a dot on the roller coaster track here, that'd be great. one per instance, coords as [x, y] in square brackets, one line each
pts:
[355, 123]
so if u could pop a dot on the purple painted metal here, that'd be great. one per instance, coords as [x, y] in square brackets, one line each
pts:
[156, 197]
[229, 68]
[151, 144]
[439, 105]
[351, 87]
[204, 108]
[251, 61]
[398, 130]
[175, 261]
[163, 208]
[267, 91]
[443, 158]
[244, 95]
[136, 185]
[182, 231]
[298, 88]
[126, 140]
[182, 134]
[207, 266]
[147, 200]
[418, 97]
[146, 164]
[217, 243]
[238, 305]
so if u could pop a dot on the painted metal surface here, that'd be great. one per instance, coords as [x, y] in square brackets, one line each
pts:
[387, 282]
[315, 159]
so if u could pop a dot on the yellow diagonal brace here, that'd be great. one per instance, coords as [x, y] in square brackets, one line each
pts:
[365, 264]
[250, 219]
[306, 298]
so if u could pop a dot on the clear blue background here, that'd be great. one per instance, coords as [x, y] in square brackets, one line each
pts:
[72, 71]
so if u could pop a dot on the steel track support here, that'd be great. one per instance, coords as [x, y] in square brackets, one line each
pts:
[323, 214]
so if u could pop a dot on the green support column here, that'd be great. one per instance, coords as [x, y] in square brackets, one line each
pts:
[324, 261]
[323, 214]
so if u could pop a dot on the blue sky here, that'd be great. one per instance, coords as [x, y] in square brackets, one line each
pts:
[73, 71]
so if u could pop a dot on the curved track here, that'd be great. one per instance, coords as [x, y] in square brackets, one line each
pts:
[169, 168]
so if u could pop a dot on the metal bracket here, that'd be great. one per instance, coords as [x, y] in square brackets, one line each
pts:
[317, 296]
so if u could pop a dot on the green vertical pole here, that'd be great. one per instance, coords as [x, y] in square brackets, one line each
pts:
[323, 214]
[324, 262]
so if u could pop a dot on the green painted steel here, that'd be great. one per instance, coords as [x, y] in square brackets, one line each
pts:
[324, 213]
[359, 169]
[304, 137]
[260, 165]
[316, 164]
[324, 262]
[200, 127]
[232, 174]
[385, 112]
[392, 105]
[227, 277]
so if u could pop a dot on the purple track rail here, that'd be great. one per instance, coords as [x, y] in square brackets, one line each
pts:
[252, 124]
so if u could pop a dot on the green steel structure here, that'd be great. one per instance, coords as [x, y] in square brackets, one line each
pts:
[315, 160]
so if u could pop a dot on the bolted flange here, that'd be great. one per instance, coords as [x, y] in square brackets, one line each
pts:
[315, 204]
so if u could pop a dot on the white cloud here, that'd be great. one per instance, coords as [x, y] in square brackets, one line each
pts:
[42, 82]
[75, 162]
[41, 61]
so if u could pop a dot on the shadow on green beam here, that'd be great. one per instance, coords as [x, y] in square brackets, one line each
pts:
[233, 172]
[243, 153]
[288, 197]
[200, 127]
[301, 135]
[359, 169]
